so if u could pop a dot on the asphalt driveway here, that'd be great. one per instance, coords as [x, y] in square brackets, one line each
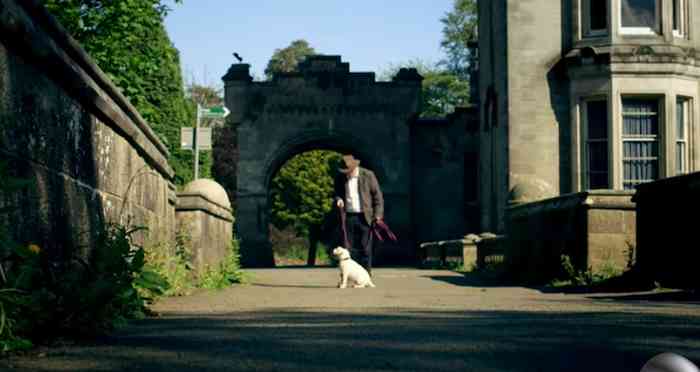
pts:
[415, 320]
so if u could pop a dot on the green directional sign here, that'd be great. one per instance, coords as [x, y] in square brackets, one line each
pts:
[216, 112]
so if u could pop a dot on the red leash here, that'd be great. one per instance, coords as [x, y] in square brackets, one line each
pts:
[343, 219]
[378, 227]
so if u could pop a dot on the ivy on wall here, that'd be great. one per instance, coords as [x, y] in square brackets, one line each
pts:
[128, 40]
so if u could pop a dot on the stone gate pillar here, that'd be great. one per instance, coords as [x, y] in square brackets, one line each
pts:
[252, 230]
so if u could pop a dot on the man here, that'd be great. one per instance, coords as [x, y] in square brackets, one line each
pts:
[357, 193]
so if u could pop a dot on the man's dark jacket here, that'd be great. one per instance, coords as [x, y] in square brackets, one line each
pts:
[371, 198]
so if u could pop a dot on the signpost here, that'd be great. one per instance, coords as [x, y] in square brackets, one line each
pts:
[200, 138]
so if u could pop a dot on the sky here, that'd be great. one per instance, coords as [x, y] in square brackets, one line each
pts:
[369, 34]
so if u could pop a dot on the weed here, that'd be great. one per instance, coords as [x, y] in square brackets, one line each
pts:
[228, 272]
[586, 277]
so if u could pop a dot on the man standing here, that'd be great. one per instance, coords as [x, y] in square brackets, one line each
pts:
[357, 193]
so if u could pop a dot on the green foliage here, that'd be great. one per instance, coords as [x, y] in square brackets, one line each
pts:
[175, 268]
[302, 190]
[9, 297]
[206, 96]
[178, 271]
[128, 40]
[228, 272]
[459, 28]
[42, 297]
[443, 90]
[297, 254]
[287, 59]
[585, 277]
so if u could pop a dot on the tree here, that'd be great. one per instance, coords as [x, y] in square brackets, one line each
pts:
[443, 90]
[287, 59]
[302, 190]
[204, 95]
[128, 40]
[459, 28]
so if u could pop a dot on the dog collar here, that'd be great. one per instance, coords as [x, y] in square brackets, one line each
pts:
[345, 259]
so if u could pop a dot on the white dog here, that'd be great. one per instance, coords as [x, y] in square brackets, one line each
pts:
[351, 270]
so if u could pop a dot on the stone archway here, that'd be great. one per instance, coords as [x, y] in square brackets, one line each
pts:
[324, 105]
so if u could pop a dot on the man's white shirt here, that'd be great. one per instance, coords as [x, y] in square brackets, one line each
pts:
[352, 194]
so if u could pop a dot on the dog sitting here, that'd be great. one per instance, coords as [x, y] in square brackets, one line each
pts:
[351, 270]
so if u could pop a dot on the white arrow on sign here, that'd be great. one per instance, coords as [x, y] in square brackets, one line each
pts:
[216, 112]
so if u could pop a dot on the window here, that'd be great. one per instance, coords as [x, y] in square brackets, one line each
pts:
[640, 17]
[640, 141]
[680, 18]
[596, 123]
[595, 17]
[682, 126]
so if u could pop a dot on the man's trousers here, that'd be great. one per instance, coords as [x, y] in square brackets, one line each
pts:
[360, 240]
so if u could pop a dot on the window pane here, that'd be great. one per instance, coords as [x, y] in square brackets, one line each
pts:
[680, 119]
[640, 148]
[598, 13]
[682, 124]
[680, 158]
[597, 119]
[598, 181]
[597, 144]
[676, 14]
[598, 156]
[640, 117]
[680, 11]
[639, 13]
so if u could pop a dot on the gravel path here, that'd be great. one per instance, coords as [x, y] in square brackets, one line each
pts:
[415, 320]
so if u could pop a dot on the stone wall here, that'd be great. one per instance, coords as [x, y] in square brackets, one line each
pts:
[595, 229]
[204, 211]
[667, 248]
[66, 128]
[437, 178]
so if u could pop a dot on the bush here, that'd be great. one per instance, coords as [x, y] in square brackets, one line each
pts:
[42, 298]
[175, 268]
[228, 272]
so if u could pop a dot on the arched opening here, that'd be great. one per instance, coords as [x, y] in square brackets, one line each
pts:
[302, 224]
[301, 211]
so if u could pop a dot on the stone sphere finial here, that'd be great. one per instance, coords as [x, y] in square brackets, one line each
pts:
[210, 190]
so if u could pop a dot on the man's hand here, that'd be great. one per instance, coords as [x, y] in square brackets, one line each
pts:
[340, 203]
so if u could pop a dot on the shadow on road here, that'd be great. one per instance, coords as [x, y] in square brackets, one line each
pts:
[390, 340]
[682, 297]
[471, 279]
